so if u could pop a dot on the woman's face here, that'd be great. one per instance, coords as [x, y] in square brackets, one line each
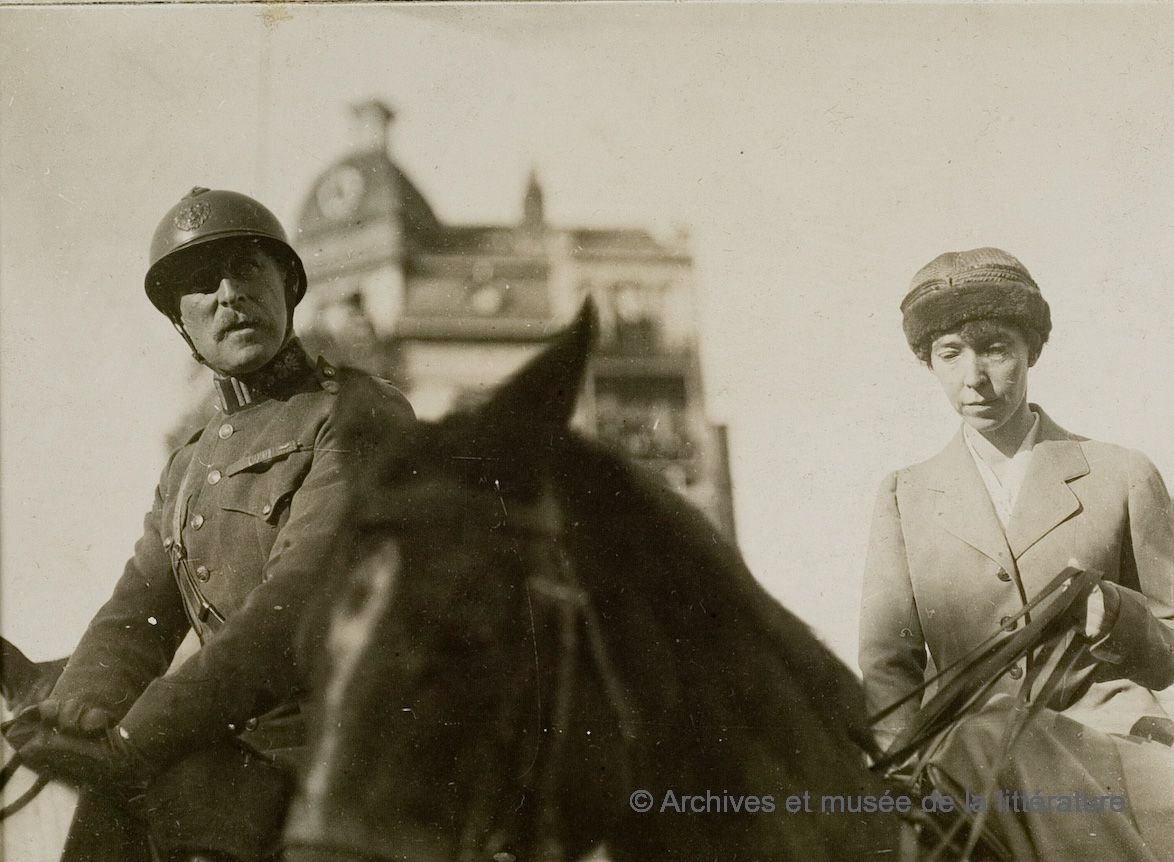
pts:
[983, 371]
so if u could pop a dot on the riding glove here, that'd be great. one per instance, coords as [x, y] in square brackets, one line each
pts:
[72, 716]
[108, 758]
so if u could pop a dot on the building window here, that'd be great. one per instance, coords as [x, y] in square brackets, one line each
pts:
[637, 317]
[646, 419]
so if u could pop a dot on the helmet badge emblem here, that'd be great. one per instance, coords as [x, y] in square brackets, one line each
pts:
[192, 216]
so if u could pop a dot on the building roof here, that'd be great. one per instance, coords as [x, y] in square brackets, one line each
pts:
[626, 242]
[384, 191]
[473, 239]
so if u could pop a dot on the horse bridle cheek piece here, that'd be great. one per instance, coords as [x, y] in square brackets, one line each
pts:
[552, 580]
[541, 531]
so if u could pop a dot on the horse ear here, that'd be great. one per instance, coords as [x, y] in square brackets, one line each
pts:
[544, 392]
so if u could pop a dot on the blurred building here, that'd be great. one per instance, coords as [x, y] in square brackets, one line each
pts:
[447, 311]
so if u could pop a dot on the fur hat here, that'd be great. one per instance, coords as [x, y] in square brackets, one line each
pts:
[960, 286]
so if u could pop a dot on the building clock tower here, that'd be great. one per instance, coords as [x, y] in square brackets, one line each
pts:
[448, 311]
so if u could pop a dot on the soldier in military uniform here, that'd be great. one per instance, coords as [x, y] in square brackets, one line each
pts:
[240, 536]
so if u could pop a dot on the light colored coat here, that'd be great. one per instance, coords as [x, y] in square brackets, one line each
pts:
[942, 572]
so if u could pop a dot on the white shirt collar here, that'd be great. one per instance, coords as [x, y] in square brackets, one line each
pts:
[1002, 476]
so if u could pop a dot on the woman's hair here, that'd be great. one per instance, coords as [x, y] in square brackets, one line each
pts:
[983, 331]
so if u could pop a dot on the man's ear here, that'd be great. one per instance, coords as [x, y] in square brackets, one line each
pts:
[291, 280]
[291, 291]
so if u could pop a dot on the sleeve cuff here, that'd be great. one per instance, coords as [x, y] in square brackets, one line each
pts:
[171, 719]
[1137, 645]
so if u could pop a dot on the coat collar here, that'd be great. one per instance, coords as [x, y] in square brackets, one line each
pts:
[1049, 500]
[288, 372]
[1046, 500]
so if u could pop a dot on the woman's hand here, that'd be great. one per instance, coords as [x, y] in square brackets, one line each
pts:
[1100, 612]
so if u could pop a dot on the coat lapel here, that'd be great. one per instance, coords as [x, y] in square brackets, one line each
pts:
[1046, 500]
[964, 507]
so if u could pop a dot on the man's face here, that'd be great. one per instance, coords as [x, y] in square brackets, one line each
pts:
[233, 306]
[983, 371]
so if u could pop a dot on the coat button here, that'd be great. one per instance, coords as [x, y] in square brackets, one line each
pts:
[197, 521]
[167, 543]
[1016, 671]
[1004, 575]
[266, 509]
[225, 431]
[213, 477]
[202, 573]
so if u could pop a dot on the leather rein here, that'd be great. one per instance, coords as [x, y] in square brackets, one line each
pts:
[963, 687]
[25, 798]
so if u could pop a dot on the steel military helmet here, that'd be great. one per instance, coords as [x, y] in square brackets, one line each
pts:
[204, 216]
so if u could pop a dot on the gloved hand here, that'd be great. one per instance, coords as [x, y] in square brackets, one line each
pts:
[76, 742]
[108, 759]
[72, 716]
[1100, 611]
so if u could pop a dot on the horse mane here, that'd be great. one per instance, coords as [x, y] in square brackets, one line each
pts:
[720, 605]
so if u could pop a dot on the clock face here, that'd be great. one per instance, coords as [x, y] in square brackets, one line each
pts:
[340, 192]
[629, 302]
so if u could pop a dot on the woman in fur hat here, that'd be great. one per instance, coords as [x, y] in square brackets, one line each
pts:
[962, 542]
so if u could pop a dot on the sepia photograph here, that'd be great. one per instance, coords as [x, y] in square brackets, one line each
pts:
[541, 432]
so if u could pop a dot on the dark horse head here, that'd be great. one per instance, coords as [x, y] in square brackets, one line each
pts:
[532, 630]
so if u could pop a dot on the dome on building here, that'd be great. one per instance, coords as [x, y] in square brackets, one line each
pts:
[362, 188]
[367, 187]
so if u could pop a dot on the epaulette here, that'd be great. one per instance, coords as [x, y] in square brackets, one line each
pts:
[331, 378]
[327, 376]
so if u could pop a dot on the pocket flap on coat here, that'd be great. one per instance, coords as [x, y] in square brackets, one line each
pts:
[265, 493]
[265, 456]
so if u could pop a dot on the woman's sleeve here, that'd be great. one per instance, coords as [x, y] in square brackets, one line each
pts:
[1140, 643]
[892, 648]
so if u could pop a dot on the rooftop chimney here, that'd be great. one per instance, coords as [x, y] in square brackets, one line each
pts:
[371, 125]
[533, 211]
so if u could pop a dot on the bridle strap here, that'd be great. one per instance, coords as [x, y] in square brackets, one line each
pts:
[540, 529]
[9, 770]
[25, 798]
[580, 601]
[557, 581]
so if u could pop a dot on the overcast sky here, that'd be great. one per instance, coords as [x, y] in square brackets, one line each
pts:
[819, 156]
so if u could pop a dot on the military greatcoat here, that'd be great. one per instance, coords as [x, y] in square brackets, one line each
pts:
[245, 520]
